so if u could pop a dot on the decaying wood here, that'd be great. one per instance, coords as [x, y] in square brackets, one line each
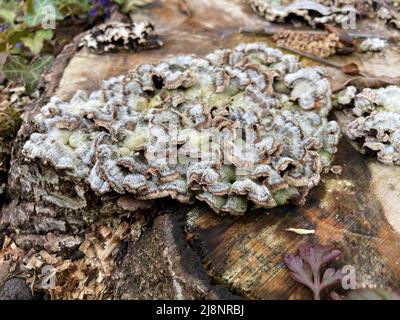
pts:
[15, 289]
[346, 210]
[181, 256]
[162, 266]
[36, 223]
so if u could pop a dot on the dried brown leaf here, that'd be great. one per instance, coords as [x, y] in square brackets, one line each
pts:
[343, 35]
[351, 69]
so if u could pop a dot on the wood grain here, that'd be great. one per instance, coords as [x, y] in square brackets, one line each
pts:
[246, 253]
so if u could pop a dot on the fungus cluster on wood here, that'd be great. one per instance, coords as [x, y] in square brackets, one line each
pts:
[320, 12]
[389, 14]
[373, 45]
[118, 36]
[313, 13]
[376, 122]
[239, 128]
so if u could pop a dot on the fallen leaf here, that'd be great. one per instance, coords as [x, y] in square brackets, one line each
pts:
[343, 35]
[351, 69]
[48, 257]
[301, 231]
[306, 267]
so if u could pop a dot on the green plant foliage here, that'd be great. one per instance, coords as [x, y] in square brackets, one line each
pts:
[77, 8]
[8, 11]
[35, 43]
[17, 70]
[131, 5]
[22, 37]
[37, 11]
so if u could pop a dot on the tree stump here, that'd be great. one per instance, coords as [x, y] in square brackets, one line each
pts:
[190, 252]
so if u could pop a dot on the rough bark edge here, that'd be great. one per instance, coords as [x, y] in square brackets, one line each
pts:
[48, 84]
[172, 269]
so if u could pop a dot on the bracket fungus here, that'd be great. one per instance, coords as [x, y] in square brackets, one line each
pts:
[373, 45]
[313, 13]
[390, 14]
[320, 12]
[118, 36]
[377, 120]
[243, 127]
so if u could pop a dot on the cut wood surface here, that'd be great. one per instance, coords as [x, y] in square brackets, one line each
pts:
[357, 210]
[246, 253]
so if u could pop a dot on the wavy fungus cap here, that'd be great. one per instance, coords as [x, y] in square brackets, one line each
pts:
[118, 36]
[377, 121]
[313, 12]
[238, 128]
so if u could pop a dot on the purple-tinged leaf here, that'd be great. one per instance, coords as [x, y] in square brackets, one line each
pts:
[306, 267]
[317, 256]
[331, 277]
[298, 270]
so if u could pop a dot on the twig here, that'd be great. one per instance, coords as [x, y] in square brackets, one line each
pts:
[260, 30]
[268, 31]
[312, 57]
[343, 68]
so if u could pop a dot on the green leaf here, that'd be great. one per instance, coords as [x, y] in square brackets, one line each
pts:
[16, 35]
[8, 15]
[73, 7]
[35, 43]
[8, 11]
[131, 5]
[42, 11]
[18, 71]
